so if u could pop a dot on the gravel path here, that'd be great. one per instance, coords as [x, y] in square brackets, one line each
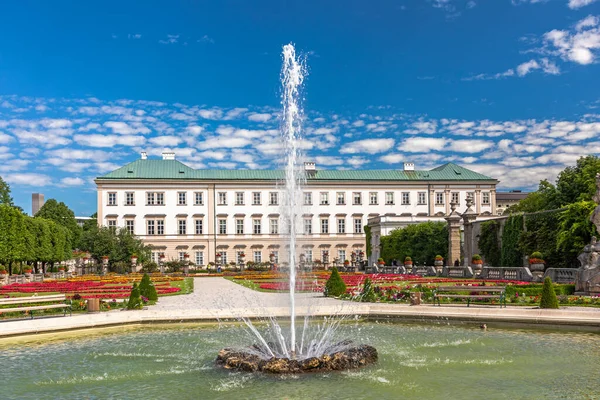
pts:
[219, 293]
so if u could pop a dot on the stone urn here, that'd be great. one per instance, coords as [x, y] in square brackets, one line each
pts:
[477, 267]
[3, 277]
[161, 263]
[439, 266]
[104, 264]
[537, 270]
[133, 264]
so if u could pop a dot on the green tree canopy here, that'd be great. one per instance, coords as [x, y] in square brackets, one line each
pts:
[422, 242]
[118, 244]
[62, 215]
[5, 197]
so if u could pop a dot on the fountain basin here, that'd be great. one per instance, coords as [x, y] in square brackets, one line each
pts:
[350, 357]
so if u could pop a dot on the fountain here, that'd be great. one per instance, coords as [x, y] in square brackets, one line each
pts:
[317, 350]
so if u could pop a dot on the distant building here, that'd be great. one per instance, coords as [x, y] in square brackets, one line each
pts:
[81, 220]
[37, 202]
[507, 199]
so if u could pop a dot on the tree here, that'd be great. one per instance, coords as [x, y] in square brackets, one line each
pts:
[368, 292]
[118, 244]
[578, 183]
[335, 286]
[576, 229]
[5, 197]
[62, 215]
[12, 238]
[91, 224]
[548, 299]
[488, 242]
[135, 300]
[545, 198]
[147, 288]
[422, 242]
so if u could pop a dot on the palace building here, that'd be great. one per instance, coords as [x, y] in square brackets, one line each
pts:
[180, 211]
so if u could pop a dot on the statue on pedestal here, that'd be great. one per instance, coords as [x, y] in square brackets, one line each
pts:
[588, 275]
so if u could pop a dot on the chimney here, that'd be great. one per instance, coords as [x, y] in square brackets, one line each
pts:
[409, 166]
[310, 166]
[168, 155]
[144, 155]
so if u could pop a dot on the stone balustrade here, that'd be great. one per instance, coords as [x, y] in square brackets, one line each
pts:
[561, 275]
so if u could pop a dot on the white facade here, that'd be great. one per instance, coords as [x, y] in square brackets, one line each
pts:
[203, 217]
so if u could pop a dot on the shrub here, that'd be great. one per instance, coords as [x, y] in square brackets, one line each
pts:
[368, 292]
[439, 258]
[407, 259]
[380, 260]
[548, 295]
[150, 267]
[147, 288]
[135, 300]
[335, 286]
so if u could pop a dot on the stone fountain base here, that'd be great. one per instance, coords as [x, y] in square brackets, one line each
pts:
[249, 361]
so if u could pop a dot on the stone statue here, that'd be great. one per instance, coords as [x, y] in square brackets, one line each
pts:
[588, 275]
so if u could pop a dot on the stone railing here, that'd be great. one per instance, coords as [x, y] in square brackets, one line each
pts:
[457, 272]
[507, 273]
[561, 275]
[16, 279]
[423, 270]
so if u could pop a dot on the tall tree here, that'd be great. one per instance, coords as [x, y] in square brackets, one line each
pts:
[12, 240]
[578, 183]
[5, 197]
[62, 215]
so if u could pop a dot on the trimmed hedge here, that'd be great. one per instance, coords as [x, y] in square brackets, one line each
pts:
[335, 286]
[535, 289]
[548, 299]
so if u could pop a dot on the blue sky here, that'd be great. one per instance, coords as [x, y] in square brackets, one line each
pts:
[509, 88]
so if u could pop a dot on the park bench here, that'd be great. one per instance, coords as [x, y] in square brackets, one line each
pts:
[32, 304]
[474, 292]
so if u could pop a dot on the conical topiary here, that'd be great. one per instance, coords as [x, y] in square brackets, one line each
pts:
[368, 293]
[135, 300]
[147, 288]
[548, 295]
[335, 285]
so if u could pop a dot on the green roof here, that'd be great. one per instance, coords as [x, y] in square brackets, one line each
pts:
[173, 169]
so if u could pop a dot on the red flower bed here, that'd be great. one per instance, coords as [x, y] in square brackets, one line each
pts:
[87, 289]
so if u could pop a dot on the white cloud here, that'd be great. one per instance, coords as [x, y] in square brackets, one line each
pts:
[126, 129]
[575, 4]
[72, 181]
[469, 146]
[170, 39]
[370, 146]
[422, 144]
[256, 117]
[527, 67]
[223, 142]
[578, 45]
[97, 140]
[28, 179]
[4, 138]
[166, 140]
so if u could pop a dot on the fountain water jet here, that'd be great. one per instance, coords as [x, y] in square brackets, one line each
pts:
[317, 350]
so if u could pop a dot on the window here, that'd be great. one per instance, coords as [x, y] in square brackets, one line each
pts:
[486, 198]
[274, 224]
[160, 227]
[222, 227]
[273, 198]
[373, 198]
[239, 226]
[308, 257]
[308, 226]
[181, 255]
[129, 199]
[405, 198]
[439, 198]
[341, 225]
[239, 198]
[222, 198]
[181, 227]
[256, 228]
[324, 225]
[199, 258]
[257, 256]
[389, 198]
[239, 257]
[155, 198]
[341, 198]
[471, 195]
[357, 198]
[275, 256]
[130, 226]
[325, 256]
[198, 198]
[112, 223]
[421, 196]
[199, 227]
[307, 198]
[342, 255]
[223, 257]
[256, 198]
[357, 225]
[150, 227]
[181, 198]
[112, 199]
[455, 199]
[324, 198]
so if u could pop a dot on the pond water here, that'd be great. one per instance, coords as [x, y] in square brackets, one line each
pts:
[425, 361]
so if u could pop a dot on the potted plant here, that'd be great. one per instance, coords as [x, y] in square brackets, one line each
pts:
[346, 263]
[3, 270]
[61, 268]
[27, 270]
[134, 257]
[408, 261]
[439, 261]
[537, 264]
[476, 262]
[380, 261]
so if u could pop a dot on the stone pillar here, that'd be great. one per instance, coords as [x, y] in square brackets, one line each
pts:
[453, 236]
[468, 217]
[431, 201]
[478, 201]
[447, 200]
[493, 201]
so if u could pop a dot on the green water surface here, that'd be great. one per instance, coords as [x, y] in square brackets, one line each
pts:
[415, 361]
